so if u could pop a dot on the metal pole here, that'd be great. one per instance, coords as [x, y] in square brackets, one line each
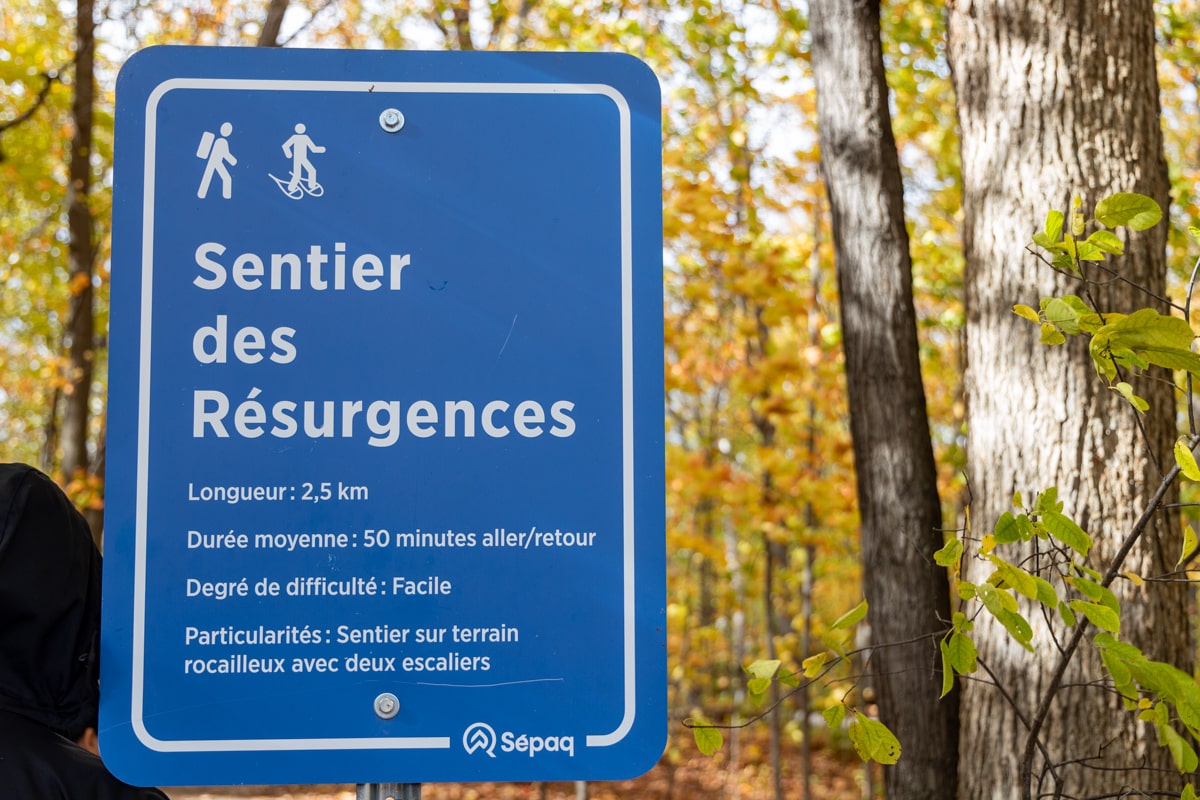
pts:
[389, 791]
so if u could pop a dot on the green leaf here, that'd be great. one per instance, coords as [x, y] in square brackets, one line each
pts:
[1100, 616]
[1188, 792]
[1096, 593]
[1186, 460]
[1189, 543]
[1018, 627]
[1181, 752]
[1067, 614]
[1066, 263]
[1044, 241]
[1027, 313]
[1124, 650]
[1007, 531]
[1047, 501]
[1059, 313]
[996, 600]
[1122, 677]
[1141, 338]
[1107, 241]
[1003, 606]
[851, 617]
[1064, 529]
[873, 741]
[1017, 578]
[962, 653]
[1089, 252]
[1054, 225]
[1045, 593]
[949, 555]
[1077, 224]
[708, 738]
[1126, 208]
[763, 668]
[947, 669]
[1126, 391]
[788, 679]
[758, 686]
[834, 715]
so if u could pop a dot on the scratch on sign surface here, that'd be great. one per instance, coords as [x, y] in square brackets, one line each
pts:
[506, 338]
[491, 685]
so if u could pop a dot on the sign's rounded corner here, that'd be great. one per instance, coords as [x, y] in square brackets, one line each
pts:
[650, 756]
[640, 65]
[121, 750]
[134, 63]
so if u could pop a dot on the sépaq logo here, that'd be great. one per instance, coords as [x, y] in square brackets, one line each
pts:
[480, 736]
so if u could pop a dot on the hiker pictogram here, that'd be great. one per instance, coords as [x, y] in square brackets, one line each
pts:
[215, 149]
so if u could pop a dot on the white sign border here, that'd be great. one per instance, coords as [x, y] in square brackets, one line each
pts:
[143, 440]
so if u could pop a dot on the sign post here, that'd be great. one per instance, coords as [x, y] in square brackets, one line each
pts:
[388, 791]
[385, 471]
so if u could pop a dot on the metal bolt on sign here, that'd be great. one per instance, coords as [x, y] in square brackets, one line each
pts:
[391, 120]
[386, 705]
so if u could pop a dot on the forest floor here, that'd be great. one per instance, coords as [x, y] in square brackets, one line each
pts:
[836, 776]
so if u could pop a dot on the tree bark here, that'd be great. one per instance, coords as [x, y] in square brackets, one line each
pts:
[269, 35]
[81, 325]
[908, 594]
[1057, 98]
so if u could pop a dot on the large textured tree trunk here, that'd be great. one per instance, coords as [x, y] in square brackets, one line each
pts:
[1056, 98]
[897, 484]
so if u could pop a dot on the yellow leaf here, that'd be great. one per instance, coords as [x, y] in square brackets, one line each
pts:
[1186, 460]
[1189, 544]
[1026, 312]
[813, 664]
[1134, 578]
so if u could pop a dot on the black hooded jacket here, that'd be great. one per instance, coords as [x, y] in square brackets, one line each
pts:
[49, 631]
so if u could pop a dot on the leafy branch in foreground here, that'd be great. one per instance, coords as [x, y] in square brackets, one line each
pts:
[1118, 342]
[872, 740]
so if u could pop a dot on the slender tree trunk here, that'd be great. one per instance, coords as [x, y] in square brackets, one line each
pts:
[81, 332]
[737, 636]
[1057, 98]
[776, 556]
[269, 35]
[806, 614]
[909, 595]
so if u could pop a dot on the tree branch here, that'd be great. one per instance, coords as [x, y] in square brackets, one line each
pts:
[1056, 679]
[48, 79]
[269, 35]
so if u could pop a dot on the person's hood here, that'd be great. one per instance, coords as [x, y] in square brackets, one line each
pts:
[49, 603]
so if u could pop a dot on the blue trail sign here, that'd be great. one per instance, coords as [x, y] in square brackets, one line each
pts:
[385, 472]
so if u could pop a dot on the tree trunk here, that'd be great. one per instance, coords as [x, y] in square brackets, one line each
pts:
[908, 594]
[1057, 98]
[269, 35]
[81, 331]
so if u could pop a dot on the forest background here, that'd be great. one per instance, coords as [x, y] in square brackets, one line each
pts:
[763, 524]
